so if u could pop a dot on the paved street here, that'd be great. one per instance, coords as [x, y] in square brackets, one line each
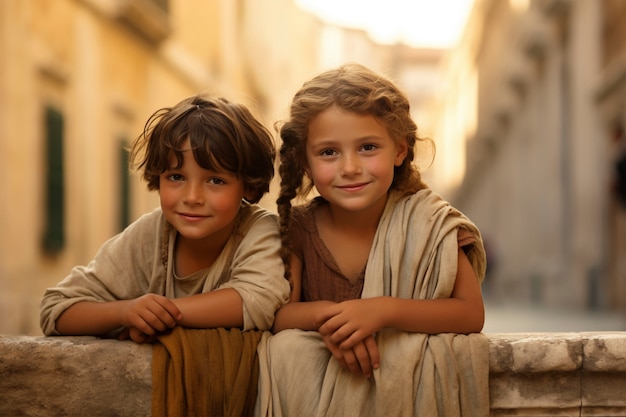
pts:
[500, 318]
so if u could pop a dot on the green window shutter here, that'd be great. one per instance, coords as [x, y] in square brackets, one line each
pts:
[124, 186]
[54, 225]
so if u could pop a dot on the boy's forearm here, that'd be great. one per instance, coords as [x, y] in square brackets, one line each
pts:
[219, 308]
[90, 318]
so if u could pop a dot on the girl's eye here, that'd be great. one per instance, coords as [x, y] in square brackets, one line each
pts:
[327, 152]
[369, 147]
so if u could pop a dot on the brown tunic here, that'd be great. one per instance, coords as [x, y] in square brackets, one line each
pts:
[321, 277]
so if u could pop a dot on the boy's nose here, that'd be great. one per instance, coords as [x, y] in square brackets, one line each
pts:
[193, 194]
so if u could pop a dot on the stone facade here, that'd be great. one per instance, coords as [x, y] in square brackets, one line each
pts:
[537, 374]
[529, 121]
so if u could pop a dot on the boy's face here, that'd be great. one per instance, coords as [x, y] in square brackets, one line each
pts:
[200, 203]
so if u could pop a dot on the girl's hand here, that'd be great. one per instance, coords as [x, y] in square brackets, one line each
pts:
[148, 315]
[360, 360]
[351, 322]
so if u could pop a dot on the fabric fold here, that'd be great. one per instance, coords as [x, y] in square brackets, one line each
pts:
[205, 372]
[415, 256]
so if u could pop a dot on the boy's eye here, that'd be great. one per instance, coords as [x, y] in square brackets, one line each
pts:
[369, 147]
[175, 177]
[216, 181]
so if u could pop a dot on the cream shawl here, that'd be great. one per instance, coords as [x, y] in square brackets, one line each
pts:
[414, 255]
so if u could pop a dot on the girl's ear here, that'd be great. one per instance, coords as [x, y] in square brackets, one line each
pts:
[402, 149]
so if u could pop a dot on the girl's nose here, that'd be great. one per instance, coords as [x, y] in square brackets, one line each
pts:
[351, 165]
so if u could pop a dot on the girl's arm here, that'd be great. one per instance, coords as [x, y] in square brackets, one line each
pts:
[352, 321]
[295, 314]
[360, 358]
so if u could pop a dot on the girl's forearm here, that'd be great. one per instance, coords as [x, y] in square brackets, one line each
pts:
[219, 308]
[449, 315]
[299, 315]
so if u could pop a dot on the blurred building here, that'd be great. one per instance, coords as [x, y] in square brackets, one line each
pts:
[78, 81]
[529, 136]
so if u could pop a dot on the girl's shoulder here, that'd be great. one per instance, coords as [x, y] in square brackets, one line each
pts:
[304, 215]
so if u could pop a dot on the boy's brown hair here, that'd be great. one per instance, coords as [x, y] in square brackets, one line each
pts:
[223, 136]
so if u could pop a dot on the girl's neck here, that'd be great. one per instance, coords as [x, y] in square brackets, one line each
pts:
[363, 220]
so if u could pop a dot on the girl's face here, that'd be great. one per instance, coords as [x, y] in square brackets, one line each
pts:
[351, 158]
[199, 203]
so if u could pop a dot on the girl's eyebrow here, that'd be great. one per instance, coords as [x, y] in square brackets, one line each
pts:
[334, 142]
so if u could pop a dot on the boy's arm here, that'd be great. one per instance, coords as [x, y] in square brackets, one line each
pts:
[150, 313]
[219, 308]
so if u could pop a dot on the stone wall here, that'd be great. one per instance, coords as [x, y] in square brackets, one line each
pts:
[535, 374]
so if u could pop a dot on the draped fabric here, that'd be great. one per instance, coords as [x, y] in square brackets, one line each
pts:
[414, 255]
[205, 372]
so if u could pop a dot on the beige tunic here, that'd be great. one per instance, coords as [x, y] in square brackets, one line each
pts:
[414, 255]
[134, 263]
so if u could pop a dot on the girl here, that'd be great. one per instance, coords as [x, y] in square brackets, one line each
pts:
[385, 275]
[208, 257]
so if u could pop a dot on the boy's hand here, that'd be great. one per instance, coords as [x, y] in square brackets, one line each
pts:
[135, 335]
[148, 315]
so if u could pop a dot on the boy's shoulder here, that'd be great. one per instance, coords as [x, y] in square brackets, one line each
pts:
[253, 215]
[148, 223]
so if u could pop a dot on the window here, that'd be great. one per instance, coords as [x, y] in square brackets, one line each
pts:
[54, 225]
[124, 185]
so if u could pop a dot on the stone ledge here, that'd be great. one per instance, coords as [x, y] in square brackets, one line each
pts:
[557, 374]
[531, 374]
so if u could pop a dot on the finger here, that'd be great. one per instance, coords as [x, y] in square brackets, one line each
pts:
[153, 321]
[331, 326]
[328, 313]
[352, 362]
[363, 358]
[372, 349]
[336, 352]
[162, 314]
[171, 309]
[137, 336]
[124, 334]
[345, 336]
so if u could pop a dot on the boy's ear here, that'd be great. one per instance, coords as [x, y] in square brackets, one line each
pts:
[250, 194]
[402, 149]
